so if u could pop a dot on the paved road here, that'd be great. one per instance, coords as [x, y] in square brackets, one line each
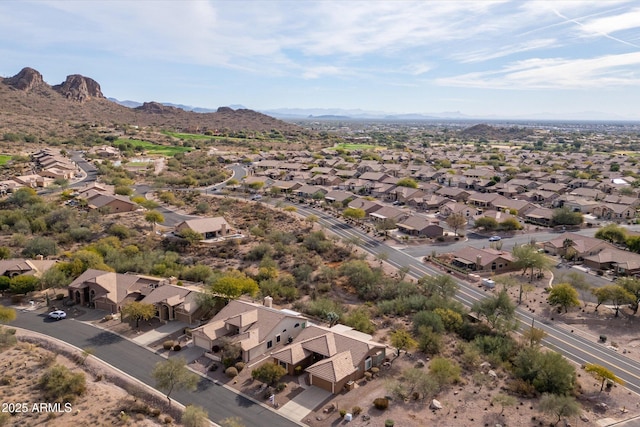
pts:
[138, 362]
[559, 337]
[576, 348]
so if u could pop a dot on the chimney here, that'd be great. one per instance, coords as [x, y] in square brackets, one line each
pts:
[173, 280]
[39, 257]
[268, 301]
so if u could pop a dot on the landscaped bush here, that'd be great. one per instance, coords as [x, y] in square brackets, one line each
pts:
[388, 423]
[239, 366]
[231, 372]
[168, 345]
[177, 347]
[213, 367]
[356, 410]
[108, 317]
[381, 403]
[343, 412]
[280, 387]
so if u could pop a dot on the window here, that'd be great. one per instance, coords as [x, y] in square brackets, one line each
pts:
[277, 338]
[296, 325]
[269, 344]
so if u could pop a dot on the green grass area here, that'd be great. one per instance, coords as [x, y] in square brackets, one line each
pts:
[151, 148]
[4, 159]
[357, 147]
[187, 136]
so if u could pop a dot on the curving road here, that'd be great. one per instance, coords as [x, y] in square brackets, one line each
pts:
[138, 362]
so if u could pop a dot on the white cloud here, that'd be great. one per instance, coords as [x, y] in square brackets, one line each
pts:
[556, 73]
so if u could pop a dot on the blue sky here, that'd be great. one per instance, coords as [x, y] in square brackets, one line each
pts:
[483, 58]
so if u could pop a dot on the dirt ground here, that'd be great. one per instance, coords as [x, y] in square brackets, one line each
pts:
[22, 365]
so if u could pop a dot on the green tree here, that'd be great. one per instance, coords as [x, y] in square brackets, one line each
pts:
[527, 257]
[487, 223]
[269, 373]
[23, 284]
[401, 339]
[444, 371]
[360, 320]
[559, 406]
[191, 236]
[407, 182]
[616, 294]
[195, 416]
[59, 384]
[138, 311]
[547, 371]
[456, 221]
[234, 283]
[563, 295]
[40, 246]
[510, 224]
[612, 233]
[442, 285]
[173, 374]
[503, 400]
[498, 310]
[631, 285]
[153, 218]
[7, 314]
[564, 216]
[602, 374]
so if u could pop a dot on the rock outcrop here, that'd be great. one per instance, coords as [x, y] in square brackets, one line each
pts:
[79, 88]
[157, 108]
[26, 79]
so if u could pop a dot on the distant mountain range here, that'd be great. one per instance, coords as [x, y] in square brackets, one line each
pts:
[358, 114]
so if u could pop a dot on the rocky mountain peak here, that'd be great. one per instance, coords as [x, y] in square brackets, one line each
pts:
[157, 108]
[79, 88]
[26, 79]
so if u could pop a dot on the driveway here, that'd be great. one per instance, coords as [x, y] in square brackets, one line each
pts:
[300, 406]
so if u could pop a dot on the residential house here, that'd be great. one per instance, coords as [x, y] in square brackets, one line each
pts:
[483, 260]
[338, 196]
[210, 228]
[368, 206]
[105, 290]
[451, 208]
[420, 227]
[614, 211]
[540, 216]
[457, 194]
[331, 357]
[427, 202]
[111, 203]
[21, 266]
[623, 263]
[583, 246]
[258, 329]
[172, 302]
[388, 212]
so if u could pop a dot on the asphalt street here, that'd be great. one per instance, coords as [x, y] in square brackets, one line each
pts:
[559, 338]
[138, 362]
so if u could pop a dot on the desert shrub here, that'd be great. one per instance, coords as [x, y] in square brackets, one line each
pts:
[388, 423]
[168, 420]
[119, 230]
[239, 366]
[268, 373]
[375, 371]
[195, 416]
[368, 376]
[168, 345]
[343, 412]
[59, 384]
[7, 380]
[280, 387]
[356, 410]
[231, 372]
[108, 317]
[381, 403]
[155, 412]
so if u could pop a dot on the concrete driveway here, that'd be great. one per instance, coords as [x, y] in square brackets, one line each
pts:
[300, 406]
